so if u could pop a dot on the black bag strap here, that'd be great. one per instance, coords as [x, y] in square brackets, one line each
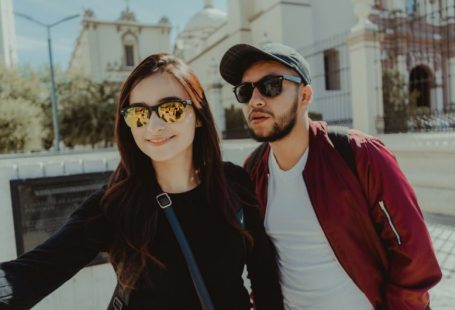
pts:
[165, 202]
[339, 136]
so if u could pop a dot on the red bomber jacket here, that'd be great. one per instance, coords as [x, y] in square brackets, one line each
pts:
[372, 221]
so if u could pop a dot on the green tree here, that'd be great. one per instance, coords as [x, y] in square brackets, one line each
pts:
[20, 112]
[234, 118]
[19, 126]
[398, 102]
[87, 111]
[236, 127]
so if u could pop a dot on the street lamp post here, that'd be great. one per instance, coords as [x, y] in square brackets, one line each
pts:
[54, 102]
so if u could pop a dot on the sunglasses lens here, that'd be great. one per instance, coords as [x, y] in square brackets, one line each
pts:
[271, 87]
[171, 112]
[243, 92]
[136, 116]
[268, 86]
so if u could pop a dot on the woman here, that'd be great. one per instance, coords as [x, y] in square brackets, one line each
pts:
[168, 143]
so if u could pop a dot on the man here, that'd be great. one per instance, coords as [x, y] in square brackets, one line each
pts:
[345, 238]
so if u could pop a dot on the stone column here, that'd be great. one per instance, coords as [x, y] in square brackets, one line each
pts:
[215, 97]
[366, 72]
[452, 83]
[437, 95]
[402, 67]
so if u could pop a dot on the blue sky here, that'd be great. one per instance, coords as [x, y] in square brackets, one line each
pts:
[32, 39]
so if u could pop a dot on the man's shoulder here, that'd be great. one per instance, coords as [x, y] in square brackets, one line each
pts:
[255, 157]
[359, 141]
[360, 136]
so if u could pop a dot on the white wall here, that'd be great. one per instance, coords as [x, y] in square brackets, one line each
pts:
[428, 161]
[332, 18]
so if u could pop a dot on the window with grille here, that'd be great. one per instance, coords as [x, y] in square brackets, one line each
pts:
[129, 55]
[332, 69]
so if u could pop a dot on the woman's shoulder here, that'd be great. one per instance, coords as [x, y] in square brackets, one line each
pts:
[236, 173]
[240, 183]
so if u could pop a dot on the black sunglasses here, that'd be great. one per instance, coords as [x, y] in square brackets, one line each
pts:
[171, 110]
[268, 86]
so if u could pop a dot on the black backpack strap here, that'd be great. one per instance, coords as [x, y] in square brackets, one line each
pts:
[255, 156]
[340, 138]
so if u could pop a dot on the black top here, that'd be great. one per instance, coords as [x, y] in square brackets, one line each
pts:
[220, 252]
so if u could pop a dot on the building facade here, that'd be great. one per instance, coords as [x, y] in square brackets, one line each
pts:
[109, 50]
[418, 50]
[303, 24]
[8, 50]
[414, 38]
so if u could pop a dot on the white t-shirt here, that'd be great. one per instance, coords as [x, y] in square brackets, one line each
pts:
[311, 276]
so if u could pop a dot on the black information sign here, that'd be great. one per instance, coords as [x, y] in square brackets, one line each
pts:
[42, 205]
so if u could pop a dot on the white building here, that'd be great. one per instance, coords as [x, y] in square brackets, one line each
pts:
[320, 30]
[8, 52]
[109, 50]
[302, 24]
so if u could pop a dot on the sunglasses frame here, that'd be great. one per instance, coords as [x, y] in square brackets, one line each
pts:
[254, 85]
[154, 108]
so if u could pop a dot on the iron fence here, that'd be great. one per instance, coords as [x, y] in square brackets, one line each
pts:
[418, 65]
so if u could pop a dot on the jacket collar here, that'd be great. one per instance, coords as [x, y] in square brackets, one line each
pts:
[316, 129]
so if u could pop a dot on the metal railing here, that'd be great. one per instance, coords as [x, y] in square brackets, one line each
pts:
[433, 121]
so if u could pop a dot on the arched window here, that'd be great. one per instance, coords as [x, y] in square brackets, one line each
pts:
[129, 50]
[129, 55]
[420, 83]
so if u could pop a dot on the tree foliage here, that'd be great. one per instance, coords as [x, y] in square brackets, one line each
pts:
[234, 118]
[398, 101]
[87, 112]
[20, 112]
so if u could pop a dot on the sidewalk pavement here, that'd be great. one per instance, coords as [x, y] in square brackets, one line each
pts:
[442, 231]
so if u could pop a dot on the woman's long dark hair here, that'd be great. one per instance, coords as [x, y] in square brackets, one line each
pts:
[129, 201]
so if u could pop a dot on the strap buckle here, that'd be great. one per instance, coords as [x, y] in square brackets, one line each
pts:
[117, 304]
[164, 200]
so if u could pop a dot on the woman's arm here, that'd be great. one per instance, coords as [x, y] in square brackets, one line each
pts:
[34, 275]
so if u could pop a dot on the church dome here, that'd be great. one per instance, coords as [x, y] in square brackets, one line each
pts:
[208, 18]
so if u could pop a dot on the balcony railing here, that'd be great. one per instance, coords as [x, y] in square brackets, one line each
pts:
[434, 121]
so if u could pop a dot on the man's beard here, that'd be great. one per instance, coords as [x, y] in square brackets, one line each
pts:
[281, 128]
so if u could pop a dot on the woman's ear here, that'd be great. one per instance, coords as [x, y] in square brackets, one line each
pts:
[198, 123]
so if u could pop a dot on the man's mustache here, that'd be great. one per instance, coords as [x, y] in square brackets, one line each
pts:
[259, 110]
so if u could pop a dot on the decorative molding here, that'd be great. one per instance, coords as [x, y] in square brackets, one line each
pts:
[362, 10]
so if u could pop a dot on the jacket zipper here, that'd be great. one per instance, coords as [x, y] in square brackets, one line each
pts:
[389, 219]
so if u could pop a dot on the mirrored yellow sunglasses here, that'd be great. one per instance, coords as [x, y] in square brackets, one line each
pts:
[138, 114]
